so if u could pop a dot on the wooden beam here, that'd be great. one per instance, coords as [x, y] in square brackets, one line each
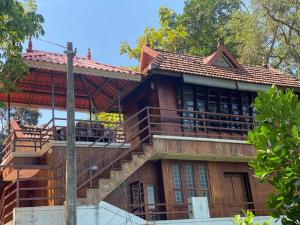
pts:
[91, 100]
[98, 88]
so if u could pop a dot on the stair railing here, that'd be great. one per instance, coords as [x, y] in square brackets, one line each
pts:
[12, 194]
[131, 139]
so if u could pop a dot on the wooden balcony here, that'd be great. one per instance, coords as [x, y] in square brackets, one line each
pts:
[144, 125]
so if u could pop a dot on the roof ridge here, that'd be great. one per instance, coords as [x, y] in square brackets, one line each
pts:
[179, 53]
[35, 52]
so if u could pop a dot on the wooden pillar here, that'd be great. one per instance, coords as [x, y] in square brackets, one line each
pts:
[52, 97]
[8, 114]
[119, 101]
[90, 111]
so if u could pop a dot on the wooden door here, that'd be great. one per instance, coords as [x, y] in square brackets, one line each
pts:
[237, 193]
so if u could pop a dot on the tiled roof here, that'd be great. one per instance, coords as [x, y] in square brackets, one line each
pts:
[196, 66]
[57, 62]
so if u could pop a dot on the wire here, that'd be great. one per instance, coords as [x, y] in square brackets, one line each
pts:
[52, 43]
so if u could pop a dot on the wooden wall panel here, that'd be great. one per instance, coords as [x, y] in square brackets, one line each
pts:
[167, 88]
[218, 186]
[148, 174]
[204, 150]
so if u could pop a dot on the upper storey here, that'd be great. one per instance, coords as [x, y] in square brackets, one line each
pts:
[221, 65]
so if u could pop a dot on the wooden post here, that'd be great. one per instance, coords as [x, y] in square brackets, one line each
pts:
[52, 96]
[71, 187]
[18, 189]
[8, 114]
[119, 101]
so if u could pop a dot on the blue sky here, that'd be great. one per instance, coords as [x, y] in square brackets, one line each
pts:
[100, 25]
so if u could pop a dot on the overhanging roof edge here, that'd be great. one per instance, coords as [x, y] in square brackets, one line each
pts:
[82, 70]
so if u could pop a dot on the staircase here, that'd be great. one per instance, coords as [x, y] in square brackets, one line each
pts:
[117, 176]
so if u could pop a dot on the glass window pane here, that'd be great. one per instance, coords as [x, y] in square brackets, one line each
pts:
[176, 176]
[178, 196]
[203, 178]
[189, 176]
[204, 194]
[150, 197]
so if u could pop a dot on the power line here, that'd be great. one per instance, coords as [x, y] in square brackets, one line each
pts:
[52, 43]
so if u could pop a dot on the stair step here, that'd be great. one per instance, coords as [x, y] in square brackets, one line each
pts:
[138, 152]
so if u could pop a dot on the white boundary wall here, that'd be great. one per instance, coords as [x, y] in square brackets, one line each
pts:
[106, 214]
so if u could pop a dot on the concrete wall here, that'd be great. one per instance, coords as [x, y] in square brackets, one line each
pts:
[104, 214]
[101, 214]
[211, 221]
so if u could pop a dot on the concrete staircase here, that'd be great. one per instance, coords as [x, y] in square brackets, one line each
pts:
[117, 176]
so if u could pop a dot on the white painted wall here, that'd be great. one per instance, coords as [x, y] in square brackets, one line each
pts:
[106, 214]
[211, 221]
[102, 214]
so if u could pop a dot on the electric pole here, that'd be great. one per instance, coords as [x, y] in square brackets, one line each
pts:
[71, 192]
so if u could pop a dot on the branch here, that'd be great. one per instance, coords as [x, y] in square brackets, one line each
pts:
[280, 21]
[294, 47]
[271, 47]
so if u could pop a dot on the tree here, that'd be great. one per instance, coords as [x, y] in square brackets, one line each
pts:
[277, 140]
[195, 31]
[109, 120]
[259, 32]
[248, 219]
[18, 22]
[169, 36]
[267, 33]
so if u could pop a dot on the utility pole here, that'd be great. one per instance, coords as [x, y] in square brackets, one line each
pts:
[71, 187]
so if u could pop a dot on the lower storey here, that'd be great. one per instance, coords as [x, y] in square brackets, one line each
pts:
[160, 189]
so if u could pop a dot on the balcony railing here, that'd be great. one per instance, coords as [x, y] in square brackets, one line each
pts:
[176, 122]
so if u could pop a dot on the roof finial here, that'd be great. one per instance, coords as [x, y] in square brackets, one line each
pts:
[89, 54]
[29, 49]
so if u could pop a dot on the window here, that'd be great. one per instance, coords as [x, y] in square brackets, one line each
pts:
[177, 183]
[203, 181]
[188, 104]
[150, 197]
[190, 180]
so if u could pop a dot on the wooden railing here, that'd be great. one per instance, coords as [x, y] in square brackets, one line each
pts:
[163, 211]
[27, 192]
[25, 140]
[176, 122]
[159, 211]
[230, 209]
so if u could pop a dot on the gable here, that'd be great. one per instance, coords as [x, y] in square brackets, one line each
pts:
[147, 55]
[223, 61]
[223, 58]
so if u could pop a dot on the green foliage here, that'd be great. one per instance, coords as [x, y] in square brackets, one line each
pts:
[267, 33]
[256, 31]
[195, 31]
[277, 141]
[204, 21]
[18, 21]
[170, 35]
[248, 219]
[26, 116]
[109, 120]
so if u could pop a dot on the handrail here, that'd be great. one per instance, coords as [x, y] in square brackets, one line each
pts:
[12, 193]
[124, 154]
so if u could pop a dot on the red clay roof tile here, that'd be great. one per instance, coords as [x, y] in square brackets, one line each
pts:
[196, 66]
[81, 62]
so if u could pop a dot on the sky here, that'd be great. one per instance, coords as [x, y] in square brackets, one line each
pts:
[100, 25]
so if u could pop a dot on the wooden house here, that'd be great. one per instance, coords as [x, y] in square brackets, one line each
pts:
[185, 121]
